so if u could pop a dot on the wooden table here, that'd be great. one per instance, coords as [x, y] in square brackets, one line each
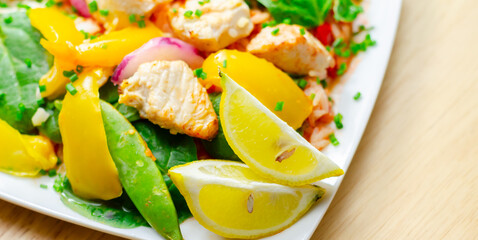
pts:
[415, 174]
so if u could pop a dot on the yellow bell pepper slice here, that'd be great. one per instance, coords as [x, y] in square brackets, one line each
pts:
[89, 166]
[24, 155]
[107, 50]
[54, 81]
[263, 80]
[55, 26]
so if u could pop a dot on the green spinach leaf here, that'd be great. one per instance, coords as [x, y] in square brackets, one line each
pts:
[169, 150]
[119, 212]
[218, 147]
[109, 92]
[20, 46]
[308, 13]
[128, 112]
[346, 10]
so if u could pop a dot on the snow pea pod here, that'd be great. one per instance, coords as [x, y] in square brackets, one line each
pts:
[138, 173]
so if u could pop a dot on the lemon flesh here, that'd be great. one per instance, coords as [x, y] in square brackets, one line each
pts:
[266, 143]
[231, 200]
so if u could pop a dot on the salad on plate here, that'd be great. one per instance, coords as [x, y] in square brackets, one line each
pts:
[149, 112]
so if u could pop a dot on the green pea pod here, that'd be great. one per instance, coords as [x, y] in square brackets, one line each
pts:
[138, 173]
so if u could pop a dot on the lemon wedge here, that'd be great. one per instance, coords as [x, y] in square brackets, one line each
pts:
[229, 199]
[267, 144]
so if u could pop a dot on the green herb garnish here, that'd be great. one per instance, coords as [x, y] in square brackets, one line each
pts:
[279, 106]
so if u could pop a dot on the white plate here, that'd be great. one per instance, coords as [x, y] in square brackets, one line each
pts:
[366, 78]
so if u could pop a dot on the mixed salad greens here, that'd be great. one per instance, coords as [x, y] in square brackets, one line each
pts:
[126, 100]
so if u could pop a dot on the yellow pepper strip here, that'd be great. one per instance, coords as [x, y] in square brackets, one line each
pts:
[108, 50]
[24, 155]
[54, 81]
[89, 166]
[55, 26]
[263, 80]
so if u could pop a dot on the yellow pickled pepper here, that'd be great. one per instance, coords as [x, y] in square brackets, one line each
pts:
[263, 80]
[24, 155]
[89, 166]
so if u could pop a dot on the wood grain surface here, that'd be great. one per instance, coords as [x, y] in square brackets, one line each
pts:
[415, 174]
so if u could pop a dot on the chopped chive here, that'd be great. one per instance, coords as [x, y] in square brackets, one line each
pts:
[200, 73]
[41, 101]
[73, 77]
[43, 186]
[79, 68]
[72, 16]
[8, 20]
[42, 88]
[28, 62]
[3, 5]
[333, 139]
[21, 110]
[357, 96]
[68, 74]
[279, 106]
[58, 104]
[104, 12]
[74, 9]
[287, 21]
[141, 24]
[21, 5]
[337, 42]
[175, 10]
[275, 31]
[322, 82]
[328, 48]
[342, 69]
[85, 34]
[132, 18]
[302, 83]
[92, 37]
[188, 13]
[330, 99]
[59, 4]
[42, 172]
[312, 96]
[104, 46]
[51, 173]
[224, 64]
[198, 13]
[50, 3]
[338, 121]
[71, 89]
[93, 6]
[302, 31]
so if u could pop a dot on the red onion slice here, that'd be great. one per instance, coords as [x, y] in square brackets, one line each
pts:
[82, 7]
[161, 48]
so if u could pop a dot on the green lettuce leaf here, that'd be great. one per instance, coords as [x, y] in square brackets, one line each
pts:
[20, 43]
[346, 10]
[308, 13]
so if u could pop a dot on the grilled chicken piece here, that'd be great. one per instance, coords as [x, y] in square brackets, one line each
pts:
[137, 7]
[169, 95]
[218, 24]
[291, 51]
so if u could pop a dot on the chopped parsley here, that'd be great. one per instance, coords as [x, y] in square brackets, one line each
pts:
[279, 106]
[338, 121]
